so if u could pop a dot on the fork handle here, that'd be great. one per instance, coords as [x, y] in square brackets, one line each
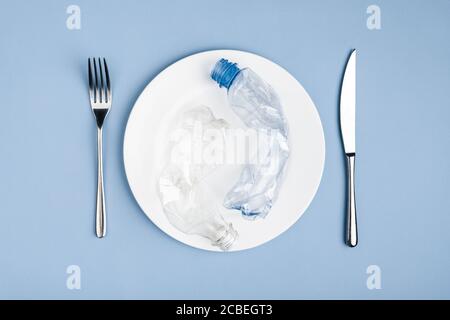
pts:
[352, 232]
[100, 215]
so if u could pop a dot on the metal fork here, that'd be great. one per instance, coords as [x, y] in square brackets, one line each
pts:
[100, 95]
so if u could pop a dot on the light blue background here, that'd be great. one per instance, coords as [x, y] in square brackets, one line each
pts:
[48, 160]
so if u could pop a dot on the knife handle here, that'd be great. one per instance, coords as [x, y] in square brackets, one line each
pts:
[352, 230]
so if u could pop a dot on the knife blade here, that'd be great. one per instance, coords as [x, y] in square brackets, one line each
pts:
[347, 121]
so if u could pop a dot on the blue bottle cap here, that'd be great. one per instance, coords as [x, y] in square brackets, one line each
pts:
[224, 73]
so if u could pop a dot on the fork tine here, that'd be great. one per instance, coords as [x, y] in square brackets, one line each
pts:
[108, 83]
[102, 87]
[96, 82]
[91, 82]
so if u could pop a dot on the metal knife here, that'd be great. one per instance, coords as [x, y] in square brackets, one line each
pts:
[347, 119]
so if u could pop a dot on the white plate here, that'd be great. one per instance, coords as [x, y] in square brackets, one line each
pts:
[186, 84]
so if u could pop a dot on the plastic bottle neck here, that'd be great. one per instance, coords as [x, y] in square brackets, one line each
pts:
[227, 239]
[224, 73]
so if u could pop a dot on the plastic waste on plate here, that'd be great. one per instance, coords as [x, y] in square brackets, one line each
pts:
[258, 106]
[184, 194]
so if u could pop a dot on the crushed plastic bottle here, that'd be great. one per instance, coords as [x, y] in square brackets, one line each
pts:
[258, 106]
[184, 194]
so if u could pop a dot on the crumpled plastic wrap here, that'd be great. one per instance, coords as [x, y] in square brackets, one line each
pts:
[184, 194]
